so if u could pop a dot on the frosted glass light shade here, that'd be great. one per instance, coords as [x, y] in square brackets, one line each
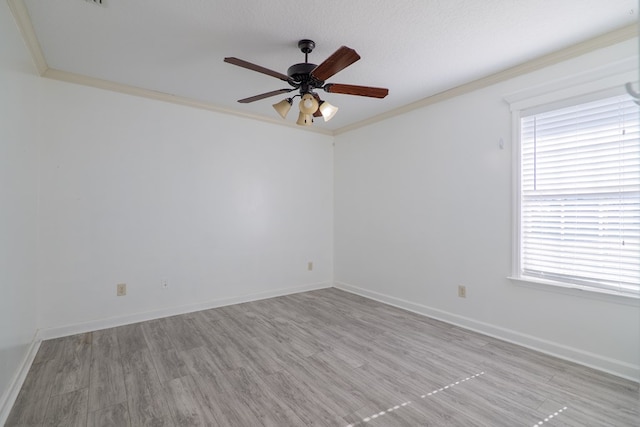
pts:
[308, 104]
[283, 107]
[304, 119]
[327, 110]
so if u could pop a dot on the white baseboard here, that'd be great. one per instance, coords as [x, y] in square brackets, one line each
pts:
[11, 394]
[592, 360]
[95, 325]
[9, 397]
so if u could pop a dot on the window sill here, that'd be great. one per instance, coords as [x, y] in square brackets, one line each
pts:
[577, 290]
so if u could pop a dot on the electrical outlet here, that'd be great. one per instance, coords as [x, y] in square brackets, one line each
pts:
[121, 289]
[164, 284]
[310, 265]
[462, 291]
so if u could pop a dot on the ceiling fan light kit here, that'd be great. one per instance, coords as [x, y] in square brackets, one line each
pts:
[308, 104]
[304, 119]
[283, 107]
[327, 110]
[306, 77]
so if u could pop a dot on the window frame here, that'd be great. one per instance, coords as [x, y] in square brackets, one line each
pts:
[582, 88]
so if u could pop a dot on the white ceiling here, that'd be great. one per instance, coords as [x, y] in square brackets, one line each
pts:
[416, 48]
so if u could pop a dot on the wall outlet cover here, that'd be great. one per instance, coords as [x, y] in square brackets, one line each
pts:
[121, 289]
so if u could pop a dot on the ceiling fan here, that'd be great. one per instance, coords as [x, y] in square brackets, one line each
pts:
[306, 77]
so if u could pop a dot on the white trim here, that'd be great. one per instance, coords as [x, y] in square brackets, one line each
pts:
[569, 90]
[8, 399]
[608, 39]
[95, 325]
[21, 16]
[604, 78]
[515, 193]
[19, 11]
[592, 360]
[83, 80]
[11, 394]
[576, 290]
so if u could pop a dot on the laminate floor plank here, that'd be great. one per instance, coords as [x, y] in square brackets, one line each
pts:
[234, 331]
[287, 307]
[74, 364]
[130, 338]
[438, 358]
[169, 364]
[354, 389]
[305, 402]
[340, 396]
[217, 389]
[187, 404]
[31, 403]
[235, 319]
[256, 397]
[228, 357]
[283, 352]
[145, 395]
[212, 314]
[49, 350]
[183, 333]
[334, 399]
[318, 358]
[338, 357]
[112, 416]
[624, 410]
[574, 414]
[405, 384]
[106, 378]
[156, 336]
[407, 413]
[68, 409]
[106, 387]
[377, 356]
[105, 343]
[607, 388]
[209, 330]
[510, 407]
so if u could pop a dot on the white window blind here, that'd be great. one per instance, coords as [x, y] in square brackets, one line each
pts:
[580, 195]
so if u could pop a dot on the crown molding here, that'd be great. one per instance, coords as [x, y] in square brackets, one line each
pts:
[604, 40]
[21, 15]
[83, 80]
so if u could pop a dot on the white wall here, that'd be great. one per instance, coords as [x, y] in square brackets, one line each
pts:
[18, 203]
[423, 204]
[135, 191]
[99, 188]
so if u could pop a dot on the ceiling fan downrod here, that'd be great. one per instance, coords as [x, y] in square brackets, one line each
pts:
[306, 46]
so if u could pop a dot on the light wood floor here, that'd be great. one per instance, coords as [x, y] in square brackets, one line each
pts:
[321, 358]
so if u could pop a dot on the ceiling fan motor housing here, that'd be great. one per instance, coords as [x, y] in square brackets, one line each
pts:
[301, 74]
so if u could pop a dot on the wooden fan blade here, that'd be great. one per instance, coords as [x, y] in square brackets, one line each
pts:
[248, 65]
[263, 95]
[338, 61]
[372, 92]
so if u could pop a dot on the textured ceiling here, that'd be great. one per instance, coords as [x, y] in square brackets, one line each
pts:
[416, 48]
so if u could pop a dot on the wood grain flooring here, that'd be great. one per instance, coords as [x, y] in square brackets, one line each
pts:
[320, 358]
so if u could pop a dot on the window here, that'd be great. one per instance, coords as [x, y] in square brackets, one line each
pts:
[579, 195]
